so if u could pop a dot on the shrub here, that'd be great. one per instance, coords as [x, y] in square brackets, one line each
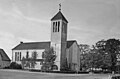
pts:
[8, 67]
[15, 65]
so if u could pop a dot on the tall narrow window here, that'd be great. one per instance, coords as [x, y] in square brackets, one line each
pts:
[53, 26]
[20, 56]
[15, 56]
[27, 54]
[58, 25]
[43, 54]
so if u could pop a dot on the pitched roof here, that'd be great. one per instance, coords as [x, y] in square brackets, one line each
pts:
[38, 45]
[58, 16]
[69, 43]
[4, 55]
[32, 45]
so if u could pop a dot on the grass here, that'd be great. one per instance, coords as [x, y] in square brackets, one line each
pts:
[19, 74]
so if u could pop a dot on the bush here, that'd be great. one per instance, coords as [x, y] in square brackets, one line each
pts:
[45, 68]
[8, 67]
[14, 65]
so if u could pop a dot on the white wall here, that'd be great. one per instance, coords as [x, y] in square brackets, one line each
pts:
[23, 54]
[73, 56]
[57, 49]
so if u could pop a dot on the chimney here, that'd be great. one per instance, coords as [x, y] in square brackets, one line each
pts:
[21, 42]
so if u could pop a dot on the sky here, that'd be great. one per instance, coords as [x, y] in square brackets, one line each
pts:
[29, 20]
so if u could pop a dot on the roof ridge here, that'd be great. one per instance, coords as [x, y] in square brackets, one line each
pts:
[4, 55]
[58, 16]
[71, 40]
[36, 42]
[32, 45]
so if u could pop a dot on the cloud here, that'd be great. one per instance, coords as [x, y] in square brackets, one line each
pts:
[35, 19]
[9, 41]
[28, 20]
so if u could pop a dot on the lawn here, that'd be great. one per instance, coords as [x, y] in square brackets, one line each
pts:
[19, 74]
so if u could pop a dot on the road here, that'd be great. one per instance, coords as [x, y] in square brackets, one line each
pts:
[19, 74]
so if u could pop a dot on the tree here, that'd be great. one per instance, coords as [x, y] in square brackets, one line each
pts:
[112, 47]
[84, 56]
[108, 49]
[96, 57]
[49, 57]
[29, 61]
[32, 60]
[84, 48]
[23, 62]
[105, 59]
[102, 55]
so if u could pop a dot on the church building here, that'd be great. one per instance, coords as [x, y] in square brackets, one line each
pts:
[67, 51]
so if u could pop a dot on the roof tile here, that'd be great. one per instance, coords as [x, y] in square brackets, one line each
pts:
[4, 55]
[38, 45]
[58, 16]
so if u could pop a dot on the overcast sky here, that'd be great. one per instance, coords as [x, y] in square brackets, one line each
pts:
[29, 20]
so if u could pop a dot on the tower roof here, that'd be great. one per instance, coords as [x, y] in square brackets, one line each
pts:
[59, 16]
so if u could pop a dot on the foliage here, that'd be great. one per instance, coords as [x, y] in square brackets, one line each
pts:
[23, 62]
[92, 59]
[112, 48]
[85, 56]
[29, 61]
[32, 60]
[102, 55]
[84, 48]
[14, 65]
[49, 57]
[105, 59]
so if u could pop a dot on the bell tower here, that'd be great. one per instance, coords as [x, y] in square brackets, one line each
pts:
[59, 38]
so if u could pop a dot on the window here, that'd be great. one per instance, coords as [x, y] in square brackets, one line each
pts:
[27, 54]
[43, 54]
[53, 26]
[40, 63]
[58, 25]
[15, 56]
[20, 56]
